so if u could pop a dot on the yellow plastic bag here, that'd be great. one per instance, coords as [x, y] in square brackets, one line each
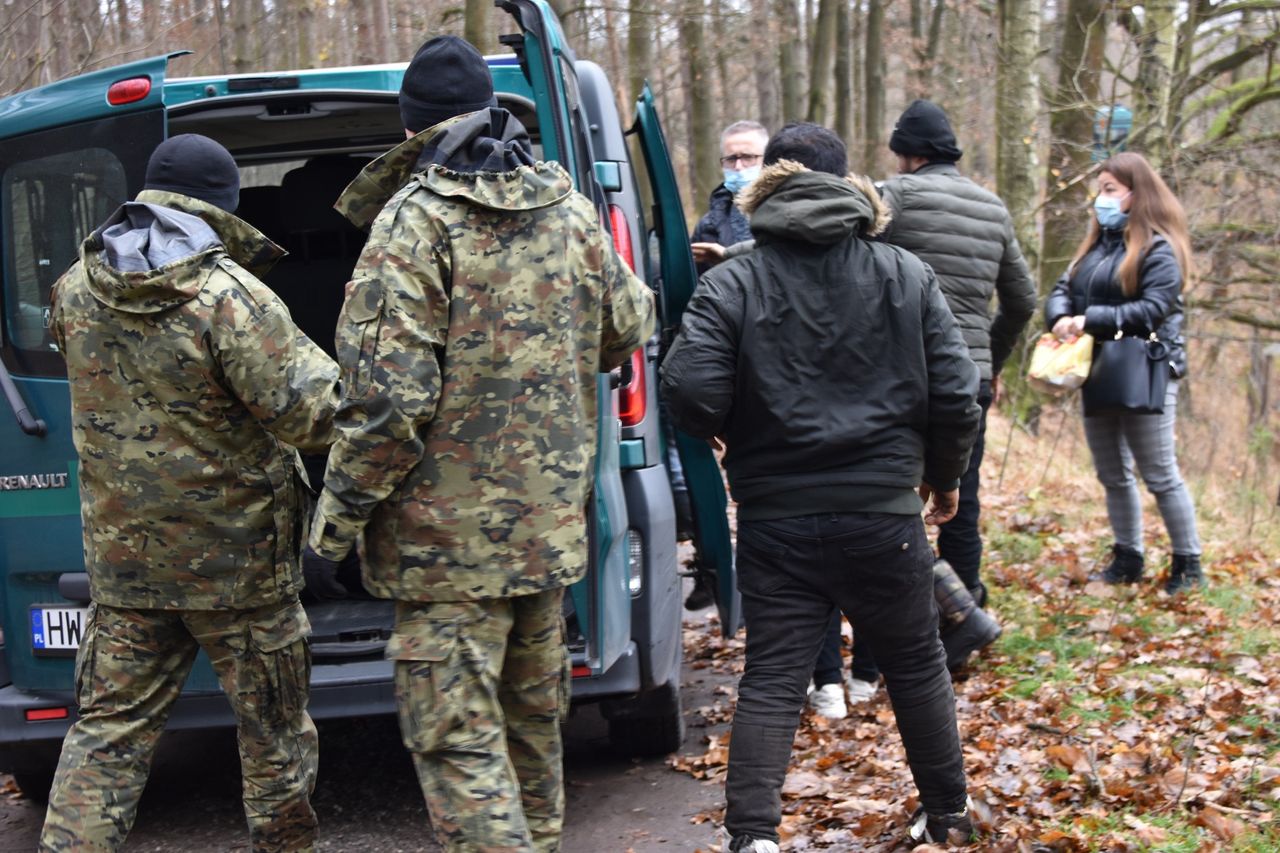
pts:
[1060, 366]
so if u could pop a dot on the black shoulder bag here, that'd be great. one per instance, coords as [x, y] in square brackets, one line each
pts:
[1129, 374]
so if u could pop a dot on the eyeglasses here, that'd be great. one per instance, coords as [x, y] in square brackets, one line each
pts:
[745, 159]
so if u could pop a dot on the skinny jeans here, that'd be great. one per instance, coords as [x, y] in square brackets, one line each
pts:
[1119, 443]
[794, 574]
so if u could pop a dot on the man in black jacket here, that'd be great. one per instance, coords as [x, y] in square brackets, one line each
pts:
[835, 375]
[966, 235]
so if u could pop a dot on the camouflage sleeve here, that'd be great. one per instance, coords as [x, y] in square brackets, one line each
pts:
[288, 384]
[392, 327]
[627, 317]
[56, 329]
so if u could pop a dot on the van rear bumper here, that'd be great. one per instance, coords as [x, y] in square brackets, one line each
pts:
[353, 689]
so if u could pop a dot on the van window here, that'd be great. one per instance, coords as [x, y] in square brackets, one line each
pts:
[50, 204]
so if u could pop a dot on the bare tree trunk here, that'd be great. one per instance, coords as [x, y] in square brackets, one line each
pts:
[1157, 42]
[615, 65]
[408, 34]
[728, 110]
[858, 90]
[703, 166]
[1083, 39]
[642, 32]
[304, 17]
[380, 38]
[789, 59]
[151, 21]
[362, 17]
[822, 55]
[84, 31]
[1017, 110]
[844, 72]
[873, 126]
[240, 58]
[122, 22]
[475, 28]
[766, 75]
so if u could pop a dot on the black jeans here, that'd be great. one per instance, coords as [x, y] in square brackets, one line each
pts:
[794, 573]
[959, 542]
[830, 667]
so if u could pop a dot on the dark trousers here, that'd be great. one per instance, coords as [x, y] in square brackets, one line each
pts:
[959, 542]
[830, 668]
[794, 574]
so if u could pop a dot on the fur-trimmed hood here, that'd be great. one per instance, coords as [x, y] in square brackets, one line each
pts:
[793, 203]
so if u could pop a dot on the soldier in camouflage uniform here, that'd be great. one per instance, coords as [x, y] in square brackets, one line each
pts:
[486, 302]
[189, 382]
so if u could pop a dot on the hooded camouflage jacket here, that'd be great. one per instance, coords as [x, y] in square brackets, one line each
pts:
[189, 381]
[481, 311]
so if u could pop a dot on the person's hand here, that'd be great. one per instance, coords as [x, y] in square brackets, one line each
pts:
[321, 576]
[943, 507]
[717, 443]
[1068, 328]
[996, 396]
[707, 253]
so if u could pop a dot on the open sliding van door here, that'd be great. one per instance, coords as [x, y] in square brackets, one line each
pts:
[679, 277]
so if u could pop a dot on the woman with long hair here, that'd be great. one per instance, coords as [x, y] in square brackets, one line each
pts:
[1127, 276]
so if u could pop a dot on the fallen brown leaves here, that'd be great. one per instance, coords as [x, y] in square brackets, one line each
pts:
[1104, 720]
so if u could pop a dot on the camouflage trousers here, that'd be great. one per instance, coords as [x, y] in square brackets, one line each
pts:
[131, 667]
[481, 688]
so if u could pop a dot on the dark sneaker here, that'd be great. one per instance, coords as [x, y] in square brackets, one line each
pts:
[949, 829]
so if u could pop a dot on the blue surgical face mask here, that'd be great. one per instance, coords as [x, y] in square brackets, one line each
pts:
[1107, 209]
[737, 180]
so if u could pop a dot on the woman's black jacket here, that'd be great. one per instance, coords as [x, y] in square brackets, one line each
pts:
[1093, 289]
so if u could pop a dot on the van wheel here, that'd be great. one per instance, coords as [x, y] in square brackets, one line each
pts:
[650, 725]
[34, 784]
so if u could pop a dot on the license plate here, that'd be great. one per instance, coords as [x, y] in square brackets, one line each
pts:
[57, 629]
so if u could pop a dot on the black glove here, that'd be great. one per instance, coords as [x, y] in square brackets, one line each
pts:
[321, 576]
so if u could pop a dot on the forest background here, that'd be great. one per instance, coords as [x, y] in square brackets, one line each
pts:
[1028, 84]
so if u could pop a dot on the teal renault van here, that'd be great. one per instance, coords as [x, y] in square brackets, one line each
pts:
[71, 152]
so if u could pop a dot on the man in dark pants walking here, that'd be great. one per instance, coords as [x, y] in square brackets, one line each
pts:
[834, 373]
[966, 235]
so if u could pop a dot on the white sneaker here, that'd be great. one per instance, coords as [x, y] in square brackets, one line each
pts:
[828, 701]
[742, 844]
[860, 691]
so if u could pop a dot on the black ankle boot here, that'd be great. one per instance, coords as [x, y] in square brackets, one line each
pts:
[1125, 567]
[1184, 574]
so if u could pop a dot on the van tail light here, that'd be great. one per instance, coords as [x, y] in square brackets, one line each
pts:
[35, 715]
[128, 91]
[621, 235]
[631, 397]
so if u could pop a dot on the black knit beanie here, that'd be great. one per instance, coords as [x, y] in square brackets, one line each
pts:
[195, 166]
[447, 77]
[923, 131]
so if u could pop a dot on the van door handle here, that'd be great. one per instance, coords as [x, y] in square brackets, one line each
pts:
[28, 424]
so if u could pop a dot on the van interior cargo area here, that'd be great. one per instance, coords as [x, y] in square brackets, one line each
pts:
[297, 152]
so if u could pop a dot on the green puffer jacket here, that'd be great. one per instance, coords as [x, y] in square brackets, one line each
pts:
[481, 311]
[966, 235]
[189, 382]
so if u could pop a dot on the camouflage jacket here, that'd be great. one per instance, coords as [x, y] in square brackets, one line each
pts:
[482, 310]
[189, 381]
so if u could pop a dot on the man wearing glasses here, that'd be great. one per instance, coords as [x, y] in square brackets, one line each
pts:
[742, 149]
[741, 154]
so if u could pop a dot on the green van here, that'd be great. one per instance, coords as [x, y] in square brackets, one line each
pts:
[72, 151]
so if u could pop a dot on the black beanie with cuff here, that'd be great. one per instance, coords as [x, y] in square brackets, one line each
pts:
[923, 131]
